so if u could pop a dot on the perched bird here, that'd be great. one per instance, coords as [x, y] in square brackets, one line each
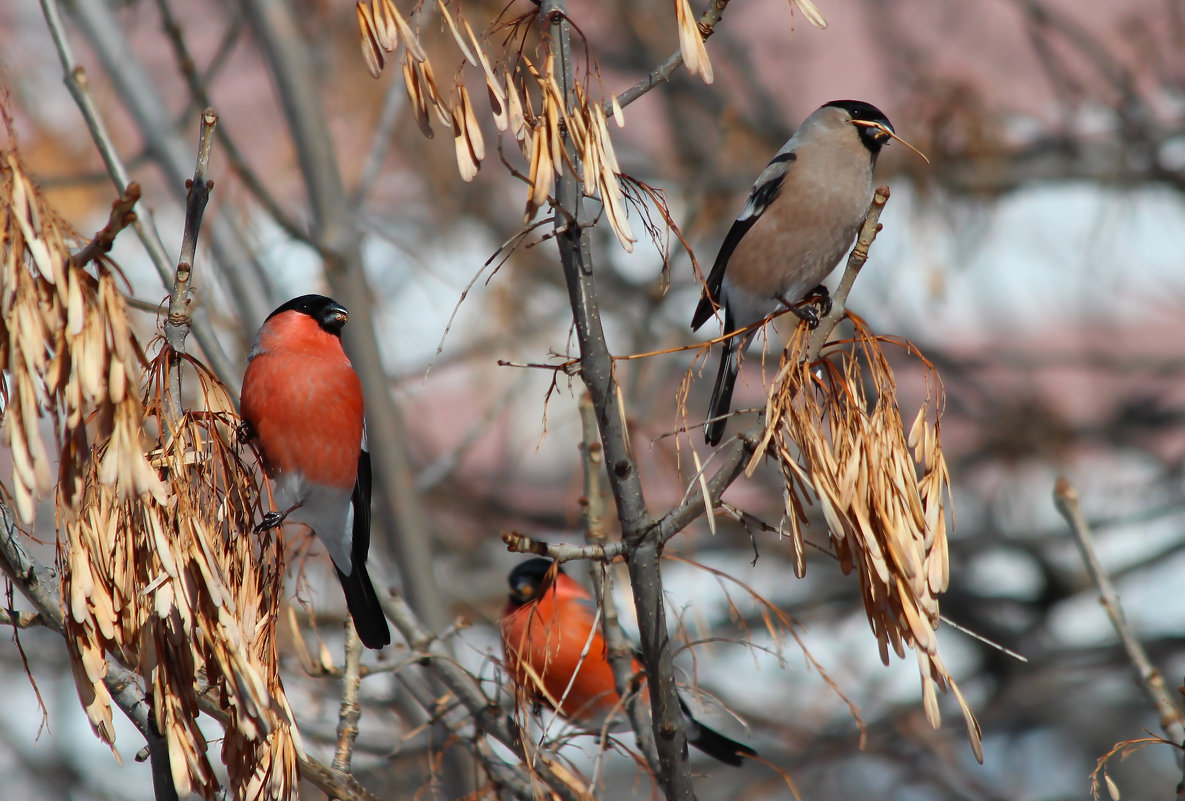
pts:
[556, 656]
[302, 404]
[800, 218]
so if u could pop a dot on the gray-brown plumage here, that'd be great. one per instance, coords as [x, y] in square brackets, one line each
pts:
[799, 220]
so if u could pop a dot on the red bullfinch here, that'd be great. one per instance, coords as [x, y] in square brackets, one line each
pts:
[302, 402]
[556, 656]
[800, 218]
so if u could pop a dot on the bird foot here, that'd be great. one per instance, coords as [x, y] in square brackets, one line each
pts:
[807, 314]
[270, 520]
[245, 432]
[820, 298]
[812, 308]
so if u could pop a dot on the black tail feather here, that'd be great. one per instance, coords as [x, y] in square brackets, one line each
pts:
[363, 603]
[715, 744]
[722, 393]
[364, 607]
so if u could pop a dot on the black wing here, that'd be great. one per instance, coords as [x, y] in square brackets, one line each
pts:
[363, 602]
[764, 190]
[360, 541]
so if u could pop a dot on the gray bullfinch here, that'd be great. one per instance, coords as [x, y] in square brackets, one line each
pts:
[556, 656]
[800, 218]
[302, 403]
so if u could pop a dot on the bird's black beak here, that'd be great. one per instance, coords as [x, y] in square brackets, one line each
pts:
[879, 132]
[334, 317]
[522, 591]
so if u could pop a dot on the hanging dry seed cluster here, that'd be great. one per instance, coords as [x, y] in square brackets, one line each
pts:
[66, 353]
[882, 493]
[184, 590]
[158, 563]
[512, 94]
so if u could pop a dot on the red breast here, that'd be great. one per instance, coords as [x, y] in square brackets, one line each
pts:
[304, 401]
[554, 637]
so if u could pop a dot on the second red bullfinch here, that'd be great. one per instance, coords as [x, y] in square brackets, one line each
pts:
[302, 402]
[556, 656]
[800, 218]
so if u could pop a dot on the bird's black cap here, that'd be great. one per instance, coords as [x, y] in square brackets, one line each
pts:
[328, 313]
[528, 578]
[872, 137]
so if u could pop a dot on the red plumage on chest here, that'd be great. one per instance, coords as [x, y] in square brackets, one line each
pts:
[554, 638]
[304, 401]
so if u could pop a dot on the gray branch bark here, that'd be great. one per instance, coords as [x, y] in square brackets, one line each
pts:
[637, 526]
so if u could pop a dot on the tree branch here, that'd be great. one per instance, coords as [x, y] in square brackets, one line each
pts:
[1149, 679]
[662, 73]
[349, 712]
[198, 195]
[121, 217]
[621, 653]
[638, 530]
[77, 83]
[561, 551]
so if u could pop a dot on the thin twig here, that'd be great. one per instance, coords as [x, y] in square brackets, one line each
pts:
[76, 81]
[856, 260]
[121, 217]
[178, 322]
[349, 712]
[22, 620]
[1151, 682]
[562, 551]
[662, 73]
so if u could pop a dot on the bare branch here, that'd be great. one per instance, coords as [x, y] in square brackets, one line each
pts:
[621, 653]
[855, 263]
[121, 217]
[178, 322]
[79, 87]
[637, 526]
[1151, 682]
[350, 711]
[560, 551]
[662, 73]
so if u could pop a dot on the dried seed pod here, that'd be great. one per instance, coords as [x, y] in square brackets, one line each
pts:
[835, 429]
[370, 41]
[691, 43]
[383, 21]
